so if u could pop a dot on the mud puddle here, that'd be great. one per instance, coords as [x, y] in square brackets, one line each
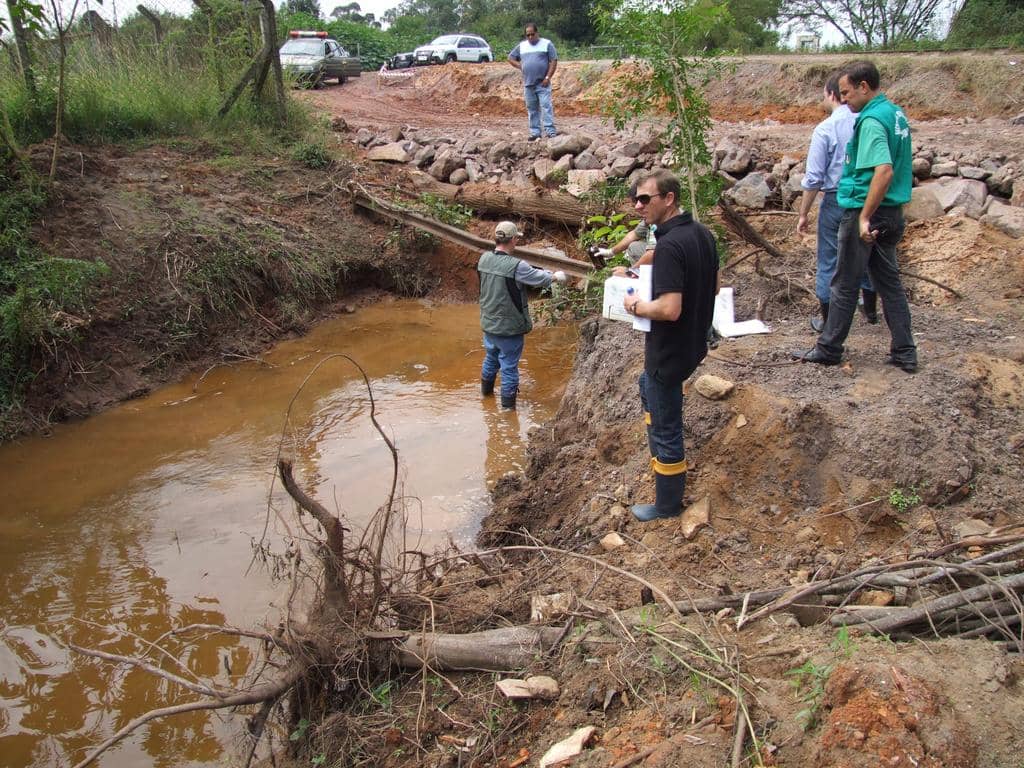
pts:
[144, 518]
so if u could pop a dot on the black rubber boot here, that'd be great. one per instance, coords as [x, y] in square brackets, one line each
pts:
[668, 499]
[486, 387]
[509, 401]
[818, 323]
[870, 306]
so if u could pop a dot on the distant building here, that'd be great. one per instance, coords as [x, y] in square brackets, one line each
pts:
[808, 42]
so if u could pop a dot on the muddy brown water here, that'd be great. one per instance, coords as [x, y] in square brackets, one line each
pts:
[142, 519]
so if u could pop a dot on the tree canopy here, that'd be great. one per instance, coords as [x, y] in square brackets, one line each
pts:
[868, 23]
[988, 23]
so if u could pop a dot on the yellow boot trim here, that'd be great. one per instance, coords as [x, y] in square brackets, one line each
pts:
[676, 468]
[647, 418]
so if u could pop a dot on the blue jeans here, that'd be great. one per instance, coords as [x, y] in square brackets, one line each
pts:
[880, 259]
[664, 404]
[503, 353]
[538, 106]
[829, 216]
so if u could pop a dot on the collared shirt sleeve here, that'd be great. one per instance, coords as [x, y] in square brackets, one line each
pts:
[552, 53]
[873, 146]
[527, 275]
[819, 157]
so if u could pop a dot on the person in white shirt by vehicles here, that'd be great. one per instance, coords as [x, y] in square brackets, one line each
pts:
[537, 59]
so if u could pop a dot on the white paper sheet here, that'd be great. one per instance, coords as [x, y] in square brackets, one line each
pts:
[725, 324]
[615, 291]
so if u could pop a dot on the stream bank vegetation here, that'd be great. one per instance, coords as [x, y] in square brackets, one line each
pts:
[174, 269]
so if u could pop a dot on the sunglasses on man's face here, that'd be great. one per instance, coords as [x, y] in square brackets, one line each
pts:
[645, 199]
[531, 34]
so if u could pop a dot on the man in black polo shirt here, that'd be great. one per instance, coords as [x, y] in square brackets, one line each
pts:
[683, 291]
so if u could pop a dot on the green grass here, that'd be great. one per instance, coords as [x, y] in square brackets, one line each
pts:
[137, 94]
[39, 294]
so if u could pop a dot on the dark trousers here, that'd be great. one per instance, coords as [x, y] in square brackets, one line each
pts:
[829, 217]
[663, 406]
[879, 258]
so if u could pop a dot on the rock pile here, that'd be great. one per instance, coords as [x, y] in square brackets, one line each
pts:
[946, 182]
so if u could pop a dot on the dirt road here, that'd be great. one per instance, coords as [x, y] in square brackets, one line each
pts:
[772, 99]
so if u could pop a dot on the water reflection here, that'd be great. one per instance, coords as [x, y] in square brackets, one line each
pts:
[120, 528]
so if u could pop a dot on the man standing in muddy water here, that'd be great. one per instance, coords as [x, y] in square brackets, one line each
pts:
[876, 182]
[537, 59]
[825, 159]
[685, 272]
[504, 311]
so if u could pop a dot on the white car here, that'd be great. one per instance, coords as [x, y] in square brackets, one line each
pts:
[448, 48]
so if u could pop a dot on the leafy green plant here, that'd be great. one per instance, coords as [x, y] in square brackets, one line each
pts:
[300, 730]
[605, 231]
[809, 679]
[610, 193]
[382, 694]
[495, 719]
[843, 644]
[439, 208]
[311, 154]
[904, 499]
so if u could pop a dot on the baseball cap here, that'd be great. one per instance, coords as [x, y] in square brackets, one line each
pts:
[505, 231]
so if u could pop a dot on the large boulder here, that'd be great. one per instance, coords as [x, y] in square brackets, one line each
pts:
[563, 165]
[1001, 180]
[568, 144]
[543, 168]
[629, 149]
[498, 152]
[731, 157]
[445, 164]
[622, 165]
[396, 152]
[790, 189]
[587, 162]
[923, 204]
[922, 168]
[944, 168]
[966, 193]
[1008, 218]
[425, 156]
[974, 172]
[580, 182]
[752, 191]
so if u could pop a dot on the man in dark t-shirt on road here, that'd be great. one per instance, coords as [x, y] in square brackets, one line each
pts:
[683, 302]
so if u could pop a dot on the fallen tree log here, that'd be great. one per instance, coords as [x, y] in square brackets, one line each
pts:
[526, 202]
[494, 650]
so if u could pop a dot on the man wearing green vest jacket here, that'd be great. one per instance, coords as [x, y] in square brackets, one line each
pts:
[504, 313]
[876, 182]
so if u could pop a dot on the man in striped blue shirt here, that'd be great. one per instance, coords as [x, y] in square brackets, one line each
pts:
[537, 59]
[824, 168]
